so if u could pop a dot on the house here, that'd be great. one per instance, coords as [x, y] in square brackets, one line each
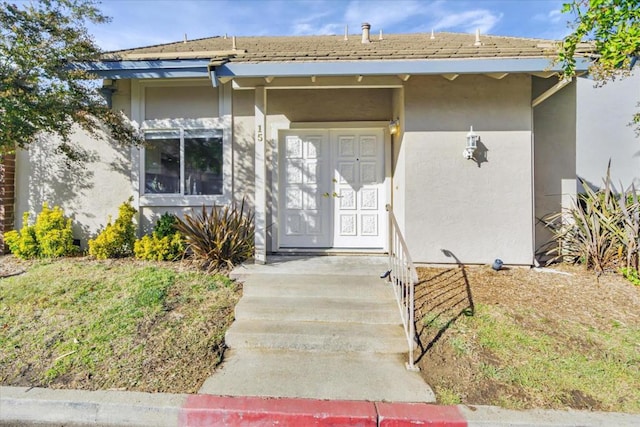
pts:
[604, 131]
[300, 127]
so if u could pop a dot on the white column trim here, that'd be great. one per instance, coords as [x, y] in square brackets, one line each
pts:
[260, 176]
[137, 116]
[275, 193]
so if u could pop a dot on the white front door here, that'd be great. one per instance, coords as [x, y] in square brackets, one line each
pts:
[331, 189]
[358, 178]
[304, 171]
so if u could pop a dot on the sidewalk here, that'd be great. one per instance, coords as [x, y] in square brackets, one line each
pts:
[20, 406]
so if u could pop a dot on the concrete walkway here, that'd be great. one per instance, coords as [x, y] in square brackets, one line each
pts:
[322, 327]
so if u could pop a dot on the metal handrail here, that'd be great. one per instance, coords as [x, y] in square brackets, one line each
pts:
[403, 277]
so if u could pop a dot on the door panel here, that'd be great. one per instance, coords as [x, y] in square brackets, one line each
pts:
[304, 159]
[359, 212]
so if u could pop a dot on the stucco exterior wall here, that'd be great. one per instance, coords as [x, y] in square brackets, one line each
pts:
[555, 154]
[459, 210]
[330, 105]
[187, 102]
[398, 159]
[603, 131]
[243, 146]
[88, 191]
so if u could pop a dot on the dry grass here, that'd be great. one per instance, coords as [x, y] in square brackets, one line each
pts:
[520, 338]
[115, 324]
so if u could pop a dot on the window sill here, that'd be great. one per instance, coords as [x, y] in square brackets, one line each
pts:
[168, 200]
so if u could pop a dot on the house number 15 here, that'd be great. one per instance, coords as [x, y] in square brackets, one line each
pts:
[259, 133]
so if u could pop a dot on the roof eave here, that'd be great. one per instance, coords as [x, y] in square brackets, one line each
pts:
[202, 67]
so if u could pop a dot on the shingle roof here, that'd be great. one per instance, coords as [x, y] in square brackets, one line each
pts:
[336, 48]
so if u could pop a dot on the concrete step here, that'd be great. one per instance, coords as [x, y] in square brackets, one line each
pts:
[364, 288]
[372, 266]
[317, 310]
[317, 336]
[318, 375]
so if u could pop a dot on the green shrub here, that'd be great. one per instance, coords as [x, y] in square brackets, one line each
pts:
[156, 248]
[49, 237]
[631, 275]
[166, 225]
[219, 239]
[164, 244]
[117, 239]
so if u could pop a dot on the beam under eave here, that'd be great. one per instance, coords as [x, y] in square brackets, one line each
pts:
[544, 74]
[404, 77]
[497, 76]
[313, 79]
[213, 77]
[550, 92]
[359, 78]
[225, 80]
[450, 77]
[269, 79]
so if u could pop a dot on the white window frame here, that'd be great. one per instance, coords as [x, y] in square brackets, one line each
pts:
[223, 122]
[182, 125]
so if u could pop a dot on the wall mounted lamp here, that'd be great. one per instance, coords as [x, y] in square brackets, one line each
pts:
[472, 144]
[394, 127]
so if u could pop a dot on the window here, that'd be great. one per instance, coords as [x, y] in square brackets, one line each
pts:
[185, 162]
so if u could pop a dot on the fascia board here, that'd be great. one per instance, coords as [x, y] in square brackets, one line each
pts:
[433, 66]
[200, 67]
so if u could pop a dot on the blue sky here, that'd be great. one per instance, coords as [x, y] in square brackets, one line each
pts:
[145, 22]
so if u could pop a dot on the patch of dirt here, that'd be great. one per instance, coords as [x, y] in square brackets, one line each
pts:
[12, 266]
[543, 300]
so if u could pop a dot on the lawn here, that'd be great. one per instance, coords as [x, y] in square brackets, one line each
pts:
[116, 324]
[522, 338]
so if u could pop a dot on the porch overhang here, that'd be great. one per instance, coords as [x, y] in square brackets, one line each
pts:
[190, 68]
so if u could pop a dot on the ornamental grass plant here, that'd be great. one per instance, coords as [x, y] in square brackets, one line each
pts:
[601, 230]
[219, 238]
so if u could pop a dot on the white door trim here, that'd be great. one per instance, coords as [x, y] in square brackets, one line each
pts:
[277, 132]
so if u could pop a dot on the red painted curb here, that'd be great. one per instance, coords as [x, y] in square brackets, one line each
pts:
[207, 410]
[419, 414]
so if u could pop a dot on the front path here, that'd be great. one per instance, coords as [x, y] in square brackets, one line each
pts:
[317, 327]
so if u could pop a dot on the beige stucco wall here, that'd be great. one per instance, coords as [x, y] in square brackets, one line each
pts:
[187, 102]
[243, 146]
[604, 131]
[555, 154]
[398, 160]
[474, 211]
[88, 191]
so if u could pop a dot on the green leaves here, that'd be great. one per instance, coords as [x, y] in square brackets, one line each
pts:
[613, 26]
[39, 91]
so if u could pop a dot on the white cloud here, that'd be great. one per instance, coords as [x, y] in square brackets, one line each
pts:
[555, 16]
[483, 20]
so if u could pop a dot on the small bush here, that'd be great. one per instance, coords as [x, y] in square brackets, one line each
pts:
[166, 225]
[49, 237]
[155, 248]
[117, 239]
[164, 244]
[601, 231]
[219, 239]
[631, 275]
